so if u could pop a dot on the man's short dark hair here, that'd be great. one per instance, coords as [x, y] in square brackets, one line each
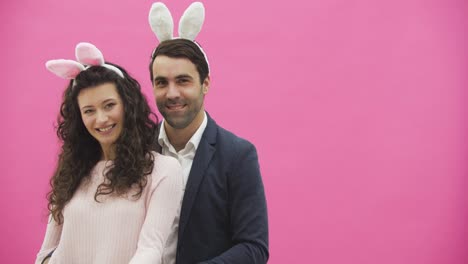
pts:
[182, 48]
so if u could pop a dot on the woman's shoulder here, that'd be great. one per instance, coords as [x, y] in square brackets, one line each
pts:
[165, 165]
[164, 160]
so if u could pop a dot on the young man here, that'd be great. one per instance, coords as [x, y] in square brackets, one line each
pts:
[223, 216]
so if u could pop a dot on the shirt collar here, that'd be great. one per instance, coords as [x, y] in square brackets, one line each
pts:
[194, 141]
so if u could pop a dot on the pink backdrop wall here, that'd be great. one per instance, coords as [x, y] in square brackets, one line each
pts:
[357, 108]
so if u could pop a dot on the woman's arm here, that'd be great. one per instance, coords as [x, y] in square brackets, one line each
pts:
[51, 240]
[166, 195]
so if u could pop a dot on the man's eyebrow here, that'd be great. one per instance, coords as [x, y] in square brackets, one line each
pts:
[159, 78]
[180, 76]
[183, 76]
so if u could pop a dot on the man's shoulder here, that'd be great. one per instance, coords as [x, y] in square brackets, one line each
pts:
[226, 138]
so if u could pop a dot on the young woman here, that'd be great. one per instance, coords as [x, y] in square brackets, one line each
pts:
[113, 200]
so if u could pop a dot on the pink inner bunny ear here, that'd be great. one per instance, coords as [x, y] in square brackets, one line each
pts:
[88, 54]
[67, 69]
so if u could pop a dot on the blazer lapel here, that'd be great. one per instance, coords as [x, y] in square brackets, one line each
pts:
[200, 163]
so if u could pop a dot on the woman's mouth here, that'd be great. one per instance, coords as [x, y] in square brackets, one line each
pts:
[105, 130]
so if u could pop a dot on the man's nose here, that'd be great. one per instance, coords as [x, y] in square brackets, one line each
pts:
[173, 91]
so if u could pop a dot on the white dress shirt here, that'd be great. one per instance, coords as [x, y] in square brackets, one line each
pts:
[185, 157]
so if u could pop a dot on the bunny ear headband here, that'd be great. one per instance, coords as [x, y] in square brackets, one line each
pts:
[190, 24]
[87, 55]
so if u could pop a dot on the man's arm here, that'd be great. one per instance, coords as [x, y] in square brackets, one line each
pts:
[248, 211]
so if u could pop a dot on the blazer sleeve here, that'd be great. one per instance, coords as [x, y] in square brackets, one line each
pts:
[165, 198]
[248, 210]
[51, 240]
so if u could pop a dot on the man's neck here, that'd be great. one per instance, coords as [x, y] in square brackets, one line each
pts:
[179, 137]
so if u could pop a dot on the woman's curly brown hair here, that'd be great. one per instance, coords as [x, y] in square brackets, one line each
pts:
[80, 151]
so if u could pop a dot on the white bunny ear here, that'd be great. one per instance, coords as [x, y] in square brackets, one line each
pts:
[191, 21]
[88, 54]
[160, 20]
[67, 69]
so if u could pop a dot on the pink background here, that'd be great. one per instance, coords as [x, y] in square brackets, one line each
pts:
[357, 108]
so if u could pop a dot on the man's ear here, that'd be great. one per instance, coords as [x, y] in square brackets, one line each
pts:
[206, 85]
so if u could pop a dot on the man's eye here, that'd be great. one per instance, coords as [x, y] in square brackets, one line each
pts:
[161, 83]
[182, 80]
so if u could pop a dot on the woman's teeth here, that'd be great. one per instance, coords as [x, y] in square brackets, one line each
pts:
[105, 128]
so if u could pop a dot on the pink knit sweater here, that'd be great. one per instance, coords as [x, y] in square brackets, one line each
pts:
[118, 229]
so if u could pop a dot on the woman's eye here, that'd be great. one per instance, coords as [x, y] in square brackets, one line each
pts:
[109, 106]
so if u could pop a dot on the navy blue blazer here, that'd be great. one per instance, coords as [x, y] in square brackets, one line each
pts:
[224, 214]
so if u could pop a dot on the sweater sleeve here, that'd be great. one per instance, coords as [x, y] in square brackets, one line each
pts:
[51, 240]
[165, 198]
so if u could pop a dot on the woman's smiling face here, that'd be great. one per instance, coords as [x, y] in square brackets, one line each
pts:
[102, 112]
